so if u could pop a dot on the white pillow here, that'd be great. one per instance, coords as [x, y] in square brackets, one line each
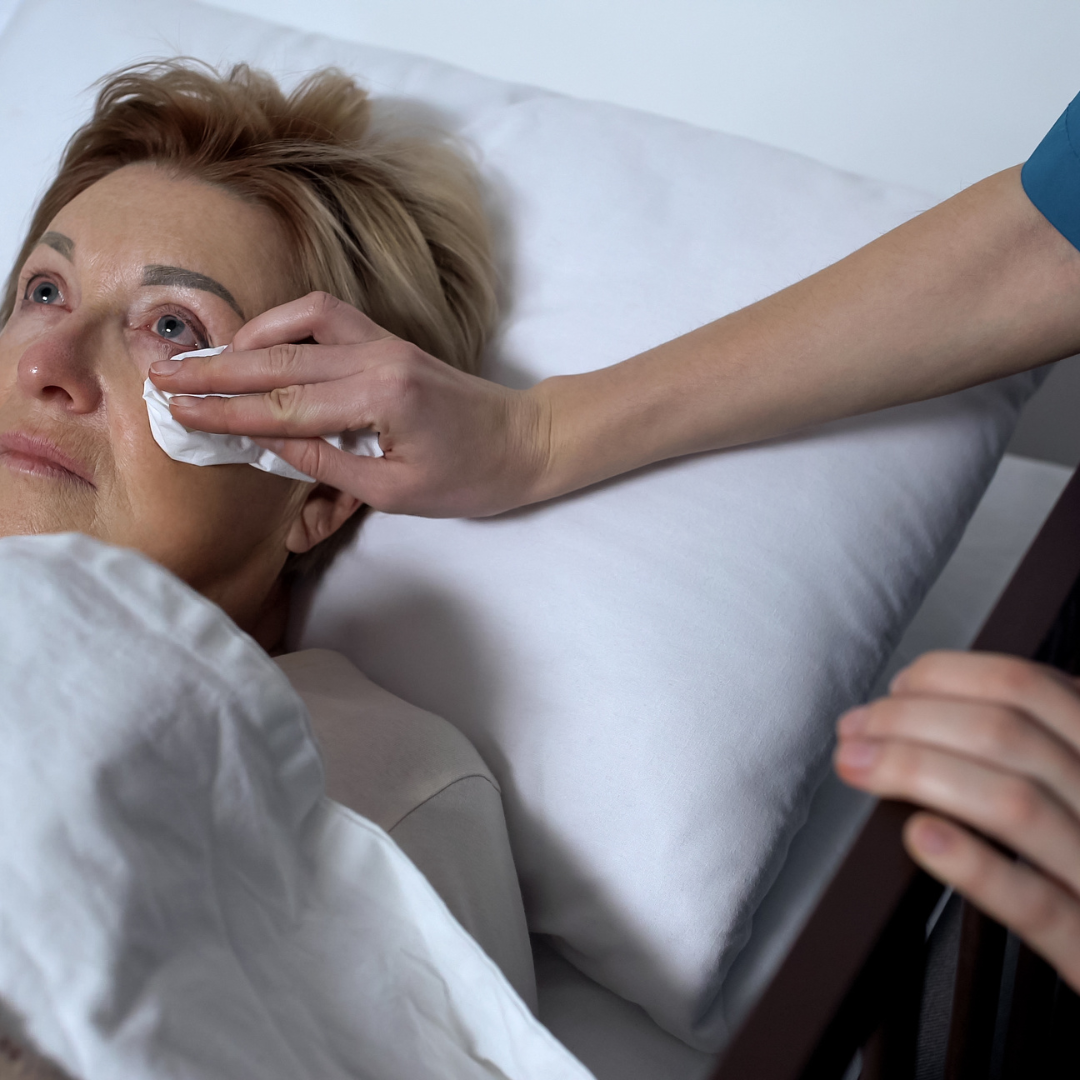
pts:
[652, 668]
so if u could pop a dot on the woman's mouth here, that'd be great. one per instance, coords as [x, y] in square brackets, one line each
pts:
[35, 456]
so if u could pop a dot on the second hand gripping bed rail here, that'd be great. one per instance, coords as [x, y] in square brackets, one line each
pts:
[856, 975]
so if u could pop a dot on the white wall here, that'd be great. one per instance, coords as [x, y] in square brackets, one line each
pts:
[932, 93]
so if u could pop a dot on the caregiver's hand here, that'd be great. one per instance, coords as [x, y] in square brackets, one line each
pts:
[455, 445]
[993, 743]
[978, 287]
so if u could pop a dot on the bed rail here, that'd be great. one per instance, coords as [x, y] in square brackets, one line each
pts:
[857, 978]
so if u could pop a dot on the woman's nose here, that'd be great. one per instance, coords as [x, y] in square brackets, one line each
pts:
[57, 369]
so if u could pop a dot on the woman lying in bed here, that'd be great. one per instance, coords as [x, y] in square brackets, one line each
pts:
[187, 205]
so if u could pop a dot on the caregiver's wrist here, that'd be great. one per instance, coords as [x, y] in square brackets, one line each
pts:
[577, 435]
[541, 472]
[552, 441]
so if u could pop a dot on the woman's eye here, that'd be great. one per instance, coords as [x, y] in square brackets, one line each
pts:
[173, 328]
[45, 292]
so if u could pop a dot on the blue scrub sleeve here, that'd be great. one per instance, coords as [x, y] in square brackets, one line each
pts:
[1051, 176]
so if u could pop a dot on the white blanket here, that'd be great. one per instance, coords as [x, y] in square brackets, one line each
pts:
[177, 897]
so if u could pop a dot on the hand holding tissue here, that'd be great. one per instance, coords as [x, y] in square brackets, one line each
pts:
[207, 448]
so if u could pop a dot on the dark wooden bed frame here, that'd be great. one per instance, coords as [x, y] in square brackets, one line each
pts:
[869, 976]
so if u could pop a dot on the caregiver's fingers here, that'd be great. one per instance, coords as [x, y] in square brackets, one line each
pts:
[1040, 910]
[258, 371]
[298, 411]
[1043, 693]
[997, 735]
[1012, 809]
[383, 483]
[318, 315]
[366, 478]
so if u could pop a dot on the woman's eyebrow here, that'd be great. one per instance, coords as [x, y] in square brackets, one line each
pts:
[59, 242]
[189, 279]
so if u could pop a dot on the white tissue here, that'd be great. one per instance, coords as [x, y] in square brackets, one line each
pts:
[205, 448]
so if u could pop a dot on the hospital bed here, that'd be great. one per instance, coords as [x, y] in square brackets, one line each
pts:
[651, 668]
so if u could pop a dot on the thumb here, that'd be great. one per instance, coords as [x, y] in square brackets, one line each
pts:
[362, 477]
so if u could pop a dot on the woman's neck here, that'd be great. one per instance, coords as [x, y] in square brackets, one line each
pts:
[268, 628]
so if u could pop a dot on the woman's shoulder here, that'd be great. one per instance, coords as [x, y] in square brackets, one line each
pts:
[383, 756]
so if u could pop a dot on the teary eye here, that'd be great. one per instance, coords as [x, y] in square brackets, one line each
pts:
[173, 328]
[45, 292]
[169, 326]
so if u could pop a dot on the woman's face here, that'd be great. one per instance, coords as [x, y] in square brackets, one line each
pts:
[139, 267]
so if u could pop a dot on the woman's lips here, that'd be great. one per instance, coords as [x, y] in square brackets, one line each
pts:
[36, 456]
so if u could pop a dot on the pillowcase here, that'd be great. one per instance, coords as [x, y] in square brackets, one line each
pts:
[652, 668]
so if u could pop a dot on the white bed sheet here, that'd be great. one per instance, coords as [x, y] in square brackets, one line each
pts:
[179, 899]
[616, 1039]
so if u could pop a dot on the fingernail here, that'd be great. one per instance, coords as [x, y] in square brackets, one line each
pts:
[166, 367]
[932, 838]
[858, 753]
[854, 722]
[184, 402]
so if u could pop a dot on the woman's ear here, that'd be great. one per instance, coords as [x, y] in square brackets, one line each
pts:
[324, 511]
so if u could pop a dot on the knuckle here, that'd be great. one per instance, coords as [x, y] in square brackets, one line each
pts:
[311, 457]
[404, 352]
[402, 380]
[1018, 805]
[282, 402]
[283, 360]
[1004, 732]
[1016, 677]
[322, 303]
[202, 367]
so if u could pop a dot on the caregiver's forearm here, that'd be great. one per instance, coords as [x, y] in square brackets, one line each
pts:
[979, 287]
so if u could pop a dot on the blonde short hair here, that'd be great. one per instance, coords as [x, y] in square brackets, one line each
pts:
[393, 225]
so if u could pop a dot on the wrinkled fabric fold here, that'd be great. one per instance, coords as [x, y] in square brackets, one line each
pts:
[179, 898]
